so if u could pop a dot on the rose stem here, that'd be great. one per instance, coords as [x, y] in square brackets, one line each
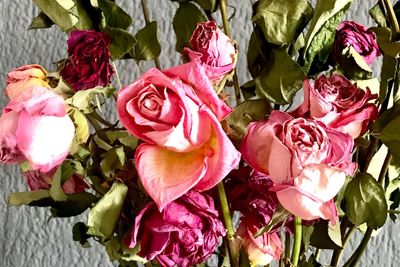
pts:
[117, 77]
[147, 21]
[297, 241]
[228, 224]
[222, 4]
[337, 255]
[392, 16]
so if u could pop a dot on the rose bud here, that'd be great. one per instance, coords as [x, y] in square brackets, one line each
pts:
[37, 180]
[185, 233]
[261, 250]
[363, 41]
[306, 161]
[339, 104]
[35, 127]
[88, 64]
[177, 113]
[21, 78]
[214, 49]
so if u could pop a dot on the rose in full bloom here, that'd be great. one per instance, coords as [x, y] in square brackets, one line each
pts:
[339, 104]
[306, 161]
[185, 233]
[350, 33]
[177, 113]
[213, 48]
[88, 64]
[261, 250]
[35, 127]
[42, 180]
[21, 78]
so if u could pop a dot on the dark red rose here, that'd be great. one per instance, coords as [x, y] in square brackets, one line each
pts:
[88, 64]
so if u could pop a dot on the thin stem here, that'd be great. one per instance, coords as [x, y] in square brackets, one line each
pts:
[392, 16]
[147, 21]
[93, 122]
[338, 253]
[222, 4]
[353, 261]
[287, 250]
[385, 167]
[297, 241]
[370, 154]
[228, 224]
[100, 119]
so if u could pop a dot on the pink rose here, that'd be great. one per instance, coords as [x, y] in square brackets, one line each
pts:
[21, 78]
[350, 33]
[38, 180]
[185, 233]
[35, 127]
[339, 104]
[177, 112]
[261, 250]
[213, 48]
[306, 161]
[88, 64]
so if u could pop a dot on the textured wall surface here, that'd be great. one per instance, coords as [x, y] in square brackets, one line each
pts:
[28, 237]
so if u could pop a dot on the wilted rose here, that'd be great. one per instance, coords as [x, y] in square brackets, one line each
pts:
[263, 249]
[306, 161]
[177, 113]
[35, 127]
[185, 233]
[350, 33]
[21, 78]
[339, 104]
[213, 48]
[42, 180]
[88, 64]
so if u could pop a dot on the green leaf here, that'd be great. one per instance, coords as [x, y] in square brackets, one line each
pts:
[207, 4]
[280, 215]
[321, 34]
[321, 237]
[76, 204]
[104, 216]
[79, 234]
[365, 201]
[385, 42]
[282, 21]
[85, 100]
[280, 82]
[248, 111]
[377, 12]
[113, 160]
[26, 198]
[56, 190]
[147, 47]
[185, 20]
[40, 21]
[84, 12]
[353, 64]
[81, 125]
[58, 12]
[121, 42]
[114, 15]
[123, 137]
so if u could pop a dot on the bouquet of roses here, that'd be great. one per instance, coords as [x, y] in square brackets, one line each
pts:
[185, 175]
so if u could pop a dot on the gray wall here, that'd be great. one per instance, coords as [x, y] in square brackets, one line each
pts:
[28, 238]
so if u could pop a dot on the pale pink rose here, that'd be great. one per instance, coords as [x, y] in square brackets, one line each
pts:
[35, 127]
[261, 250]
[339, 104]
[21, 78]
[306, 161]
[213, 48]
[177, 112]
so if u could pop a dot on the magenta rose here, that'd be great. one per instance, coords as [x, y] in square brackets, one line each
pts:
[213, 48]
[177, 113]
[350, 33]
[339, 104]
[306, 161]
[185, 233]
[88, 64]
[35, 127]
[37, 180]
